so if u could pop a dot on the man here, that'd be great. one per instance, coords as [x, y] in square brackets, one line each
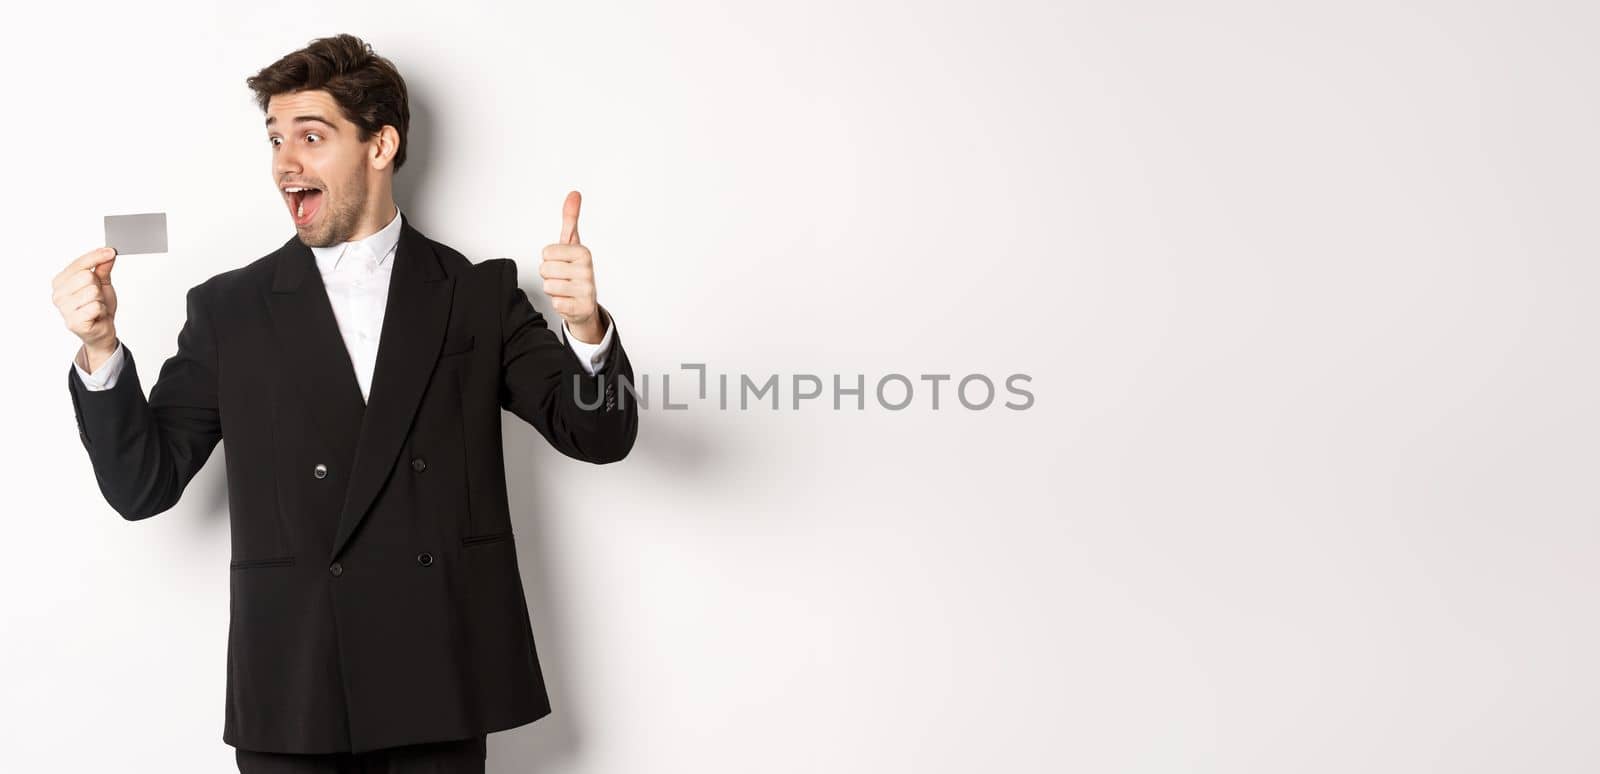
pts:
[358, 372]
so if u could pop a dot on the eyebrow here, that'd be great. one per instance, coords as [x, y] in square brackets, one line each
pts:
[303, 119]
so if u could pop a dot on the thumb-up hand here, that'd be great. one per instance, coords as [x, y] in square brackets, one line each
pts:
[82, 292]
[568, 272]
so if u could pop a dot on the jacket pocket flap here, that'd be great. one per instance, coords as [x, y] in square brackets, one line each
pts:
[492, 537]
[274, 561]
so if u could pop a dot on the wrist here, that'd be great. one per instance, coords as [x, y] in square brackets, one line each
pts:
[591, 331]
[92, 356]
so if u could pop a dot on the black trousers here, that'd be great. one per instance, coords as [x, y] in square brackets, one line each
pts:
[462, 756]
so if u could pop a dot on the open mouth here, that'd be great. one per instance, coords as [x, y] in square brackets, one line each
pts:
[304, 202]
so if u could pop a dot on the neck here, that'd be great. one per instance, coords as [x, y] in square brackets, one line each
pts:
[379, 211]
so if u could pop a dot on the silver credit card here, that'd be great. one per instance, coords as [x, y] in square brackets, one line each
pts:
[142, 233]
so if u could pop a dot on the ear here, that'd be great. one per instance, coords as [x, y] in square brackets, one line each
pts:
[384, 144]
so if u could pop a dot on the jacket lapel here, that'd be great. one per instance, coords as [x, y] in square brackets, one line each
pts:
[414, 320]
[311, 350]
[369, 433]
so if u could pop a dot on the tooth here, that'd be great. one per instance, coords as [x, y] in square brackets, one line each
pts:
[300, 211]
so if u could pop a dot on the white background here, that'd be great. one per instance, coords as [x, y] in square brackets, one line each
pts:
[1306, 292]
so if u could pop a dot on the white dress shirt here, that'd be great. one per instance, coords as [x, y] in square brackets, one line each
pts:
[356, 275]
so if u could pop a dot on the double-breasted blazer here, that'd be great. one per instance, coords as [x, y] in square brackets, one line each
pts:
[374, 595]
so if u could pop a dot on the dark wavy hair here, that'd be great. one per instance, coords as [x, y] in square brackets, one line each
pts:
[367, 87]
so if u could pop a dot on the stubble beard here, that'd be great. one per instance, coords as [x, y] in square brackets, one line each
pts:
[339, 219]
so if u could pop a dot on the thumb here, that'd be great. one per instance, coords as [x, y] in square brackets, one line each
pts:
[569, 218]
[102, 272]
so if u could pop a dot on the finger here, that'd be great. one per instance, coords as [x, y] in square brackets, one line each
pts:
[93, 258]
[104, 304]
[76, 281]
[85, 295]
[563, 305]
[85, 261]
[569, 218]
[102, 272]
[569, 253]
[88, 314]
[567, 289]
[565, 270]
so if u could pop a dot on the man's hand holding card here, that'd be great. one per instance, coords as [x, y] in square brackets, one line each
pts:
[83, 293]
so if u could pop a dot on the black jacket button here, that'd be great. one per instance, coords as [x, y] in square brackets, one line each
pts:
[419, 464]
[336, 568]
[320, 471]
[425, 559]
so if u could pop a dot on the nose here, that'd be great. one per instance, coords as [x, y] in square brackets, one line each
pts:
[285, 162]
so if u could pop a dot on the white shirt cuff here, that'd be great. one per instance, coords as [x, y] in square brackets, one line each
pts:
[593, 356]
[104, 377]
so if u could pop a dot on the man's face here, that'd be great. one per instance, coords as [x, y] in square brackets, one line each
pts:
[315, 148]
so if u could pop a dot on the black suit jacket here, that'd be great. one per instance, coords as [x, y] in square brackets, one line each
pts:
[374, 593]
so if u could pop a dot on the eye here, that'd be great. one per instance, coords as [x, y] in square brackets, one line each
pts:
[276, 141]
[310, 135]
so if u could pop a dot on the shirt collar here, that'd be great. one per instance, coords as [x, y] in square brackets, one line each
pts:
[381, 243]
